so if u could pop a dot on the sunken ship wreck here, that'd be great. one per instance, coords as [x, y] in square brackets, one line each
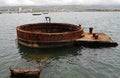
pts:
[43, 35]
[47, 35]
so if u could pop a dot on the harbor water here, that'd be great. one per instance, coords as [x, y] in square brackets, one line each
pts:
[63, 62]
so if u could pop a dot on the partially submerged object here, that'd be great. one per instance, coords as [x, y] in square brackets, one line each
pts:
[43, 35]
[96, 40]
[24, 73]
[46, 35]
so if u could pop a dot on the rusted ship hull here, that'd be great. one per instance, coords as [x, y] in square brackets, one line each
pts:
[43, 44]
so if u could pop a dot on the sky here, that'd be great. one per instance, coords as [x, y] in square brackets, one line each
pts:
[58, 2]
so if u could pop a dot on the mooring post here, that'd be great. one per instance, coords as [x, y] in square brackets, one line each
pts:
[96, 36]
[91, 30]
[79, 25]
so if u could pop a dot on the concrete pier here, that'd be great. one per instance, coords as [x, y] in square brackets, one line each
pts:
[90, 40]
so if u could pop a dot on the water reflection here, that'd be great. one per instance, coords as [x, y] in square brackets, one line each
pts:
[38, 55]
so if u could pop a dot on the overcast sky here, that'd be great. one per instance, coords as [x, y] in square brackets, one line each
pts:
[58, 2]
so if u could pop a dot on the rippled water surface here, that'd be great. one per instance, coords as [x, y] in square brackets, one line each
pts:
[65, 62]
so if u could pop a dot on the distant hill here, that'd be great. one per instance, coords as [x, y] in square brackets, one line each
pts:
[82, 6]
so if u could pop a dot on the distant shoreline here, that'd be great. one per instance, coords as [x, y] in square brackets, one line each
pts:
[72, 8]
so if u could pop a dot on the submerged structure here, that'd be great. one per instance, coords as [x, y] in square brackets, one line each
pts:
[46, 35]
[24, 73]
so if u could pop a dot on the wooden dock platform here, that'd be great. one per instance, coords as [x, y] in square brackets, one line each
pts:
[89, 40]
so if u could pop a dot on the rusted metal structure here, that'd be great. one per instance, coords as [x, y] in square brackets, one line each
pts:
[96, 40]
[47, 35]
[43, 35]
[24, 73]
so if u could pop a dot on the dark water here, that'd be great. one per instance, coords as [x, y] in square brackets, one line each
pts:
[65, 62]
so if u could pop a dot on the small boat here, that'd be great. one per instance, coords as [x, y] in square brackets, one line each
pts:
[45, 12]
[36, 14]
